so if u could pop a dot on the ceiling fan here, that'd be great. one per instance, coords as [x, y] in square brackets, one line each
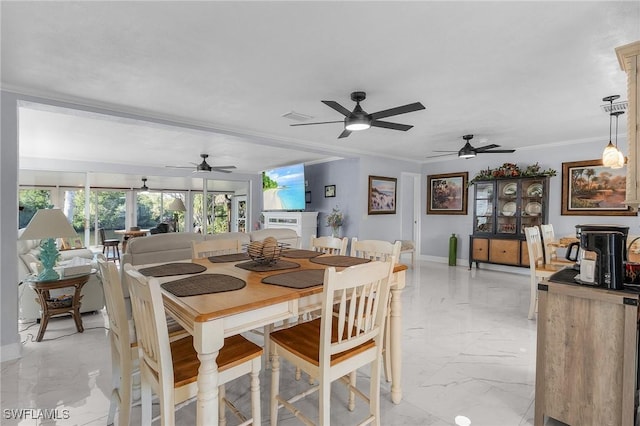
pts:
[205, 167]
[358, 119]
[468, 151]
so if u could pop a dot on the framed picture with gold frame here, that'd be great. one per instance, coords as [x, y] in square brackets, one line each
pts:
[447, 193]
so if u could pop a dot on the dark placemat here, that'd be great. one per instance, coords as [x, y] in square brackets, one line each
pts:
[297, 279]
[300, 254]
[339, 260]
[170, 269]
[204, 284]
[235, 257]
[259, 267]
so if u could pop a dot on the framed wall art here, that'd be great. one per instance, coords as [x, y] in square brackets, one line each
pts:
[382, 195]
[329, 191]
[307, 197]
[447, 193]
[591, 189]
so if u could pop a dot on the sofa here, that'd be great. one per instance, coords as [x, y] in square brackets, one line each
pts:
[28, 260]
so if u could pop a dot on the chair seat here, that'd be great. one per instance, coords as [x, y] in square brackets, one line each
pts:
[303, 341]
[235, 351]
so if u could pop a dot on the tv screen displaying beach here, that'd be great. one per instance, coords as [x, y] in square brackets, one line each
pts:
[283, 188]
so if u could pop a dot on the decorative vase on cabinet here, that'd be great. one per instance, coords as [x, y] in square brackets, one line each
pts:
[502, 209]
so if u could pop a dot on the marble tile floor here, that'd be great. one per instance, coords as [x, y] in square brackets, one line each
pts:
[469, 350]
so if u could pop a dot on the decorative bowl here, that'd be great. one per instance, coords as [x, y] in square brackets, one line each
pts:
[266, 252]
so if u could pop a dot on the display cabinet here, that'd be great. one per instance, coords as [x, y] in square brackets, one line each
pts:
[502, 208]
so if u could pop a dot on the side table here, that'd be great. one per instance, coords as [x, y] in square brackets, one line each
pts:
[52, 307]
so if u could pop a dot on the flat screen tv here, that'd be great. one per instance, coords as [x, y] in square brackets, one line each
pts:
[283, 188]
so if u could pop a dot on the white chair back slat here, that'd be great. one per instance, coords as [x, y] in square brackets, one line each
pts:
[329, 245]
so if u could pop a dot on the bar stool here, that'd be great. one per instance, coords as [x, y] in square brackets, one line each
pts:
[110, 246]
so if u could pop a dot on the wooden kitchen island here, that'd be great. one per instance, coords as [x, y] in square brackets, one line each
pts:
[586, 355]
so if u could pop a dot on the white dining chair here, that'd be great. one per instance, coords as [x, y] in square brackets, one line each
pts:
[207, 248]
[329, 245]
[348, 335]
[538, 269]
[549, 245]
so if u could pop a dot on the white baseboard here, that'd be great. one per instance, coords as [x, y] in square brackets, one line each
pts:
[10, 352]
[487, 266]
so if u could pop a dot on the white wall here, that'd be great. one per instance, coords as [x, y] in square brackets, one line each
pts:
[436, 229]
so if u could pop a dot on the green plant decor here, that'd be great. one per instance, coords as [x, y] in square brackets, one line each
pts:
[49, 255]
[334, 220]
[508, 170]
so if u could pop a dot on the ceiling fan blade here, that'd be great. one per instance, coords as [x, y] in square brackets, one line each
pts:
[416, 106]
[179, 167]
[320, 122]
[221, 170]
[388, 125]
[497, 151]
[442, 155]
[223, 167]
[342, 110]
[443, 151]
[486, 147]
[344, 134]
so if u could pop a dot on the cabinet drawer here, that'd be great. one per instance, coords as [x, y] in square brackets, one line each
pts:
[480, 249]
[505, 251]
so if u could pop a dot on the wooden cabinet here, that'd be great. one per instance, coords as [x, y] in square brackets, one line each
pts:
[586, 357]
[502, 208]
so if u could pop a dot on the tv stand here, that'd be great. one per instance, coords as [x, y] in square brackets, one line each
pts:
[304, 223]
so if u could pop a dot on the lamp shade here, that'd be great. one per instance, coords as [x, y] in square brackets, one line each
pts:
[610, 156]
[48, 223]
[177, 205]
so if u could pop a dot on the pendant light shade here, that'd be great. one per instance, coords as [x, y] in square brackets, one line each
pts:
[611, 156]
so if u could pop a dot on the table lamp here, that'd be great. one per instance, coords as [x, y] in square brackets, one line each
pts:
[47, 225]
[176, 206]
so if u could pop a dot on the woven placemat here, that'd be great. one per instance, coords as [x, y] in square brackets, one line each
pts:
[204, 284]
[297, 279]
[170, 269]
[339, 260]
[300, 254]
[259, 267]
[235, 257]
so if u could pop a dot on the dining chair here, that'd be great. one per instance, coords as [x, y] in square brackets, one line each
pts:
[124, 349]
[549, 246]
[110, 245]
[383, 251]
[204, 249]
[537, 266]
[170, 369]
[338, 343]
[329, 245]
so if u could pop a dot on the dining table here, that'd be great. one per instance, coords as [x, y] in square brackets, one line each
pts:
[130, 233]
[212, 317]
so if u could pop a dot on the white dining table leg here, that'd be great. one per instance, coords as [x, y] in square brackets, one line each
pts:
[208, 339]
[396, 337]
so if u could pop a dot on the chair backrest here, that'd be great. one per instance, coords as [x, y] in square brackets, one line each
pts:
[102, 236]
[548, 236]
[151, 330]
[329, 245]
[202, 249]
[534, 246]
[119, 331]
[354, 307]
[375, 249]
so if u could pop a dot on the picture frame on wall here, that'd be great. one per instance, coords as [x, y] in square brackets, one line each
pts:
[591, 189]
[447, 193]
[382, 195]
[329, 191]
[307, 197]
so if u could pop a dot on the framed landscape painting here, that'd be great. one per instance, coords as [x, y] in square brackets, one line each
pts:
[591, 189]
[382, 195]
[447, 193]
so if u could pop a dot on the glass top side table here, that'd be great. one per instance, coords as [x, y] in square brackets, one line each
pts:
[51, 307]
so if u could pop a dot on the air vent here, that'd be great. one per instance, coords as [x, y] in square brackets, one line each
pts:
[616, 106]
[296, 116]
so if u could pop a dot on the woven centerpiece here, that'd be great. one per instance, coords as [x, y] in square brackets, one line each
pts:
[171, 269]
[267, 251]
[234, 257]
[204, 284]
[339, 261]
[297, 279]
[300, 254]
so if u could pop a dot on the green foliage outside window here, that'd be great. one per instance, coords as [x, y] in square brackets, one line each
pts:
[31, 200]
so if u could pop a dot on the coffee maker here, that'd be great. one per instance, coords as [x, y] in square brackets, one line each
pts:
[576, 253]
[602, 262]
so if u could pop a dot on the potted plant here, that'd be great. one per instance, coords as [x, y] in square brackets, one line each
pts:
[334, 220]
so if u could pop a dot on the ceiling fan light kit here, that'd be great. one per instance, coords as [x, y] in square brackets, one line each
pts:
[358, 119]
[611, 156]
[144, 186]
[469, 151]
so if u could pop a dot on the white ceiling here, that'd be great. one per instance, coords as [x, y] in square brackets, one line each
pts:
[516, 74]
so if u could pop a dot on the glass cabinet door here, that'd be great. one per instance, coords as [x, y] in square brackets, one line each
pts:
[484, 207]
[532, 202]
[507, 209]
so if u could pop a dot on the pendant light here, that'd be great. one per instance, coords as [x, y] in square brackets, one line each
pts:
[144, 186]
[620, 160]
[610, 156]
